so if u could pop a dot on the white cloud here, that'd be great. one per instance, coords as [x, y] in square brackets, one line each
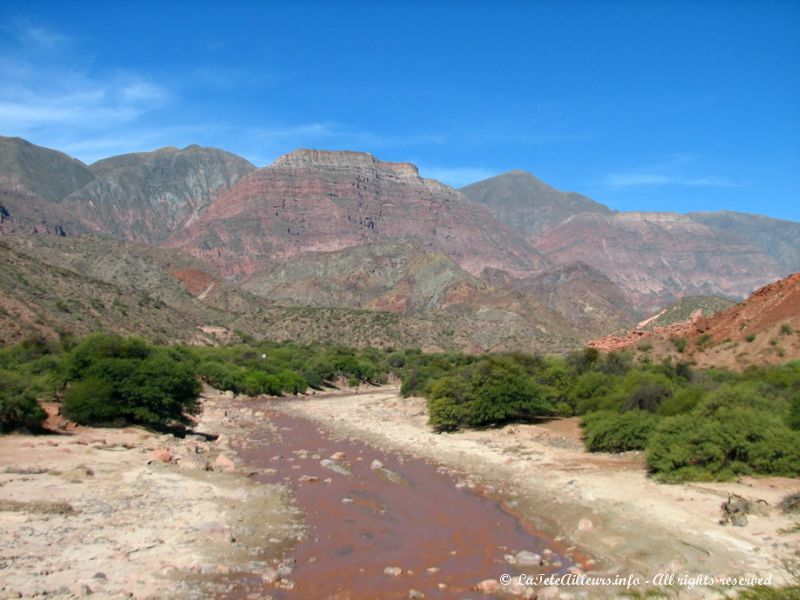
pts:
[40, 36]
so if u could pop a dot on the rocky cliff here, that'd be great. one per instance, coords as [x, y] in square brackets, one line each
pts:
[658, 257]
[319, 201]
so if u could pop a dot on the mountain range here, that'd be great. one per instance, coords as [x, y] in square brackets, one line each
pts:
[505, 263]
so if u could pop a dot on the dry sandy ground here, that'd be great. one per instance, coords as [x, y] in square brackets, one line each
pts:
[116, 513]
[602, 503]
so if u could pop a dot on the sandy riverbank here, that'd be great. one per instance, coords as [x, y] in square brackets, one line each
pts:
[604, 504]
[129, 513]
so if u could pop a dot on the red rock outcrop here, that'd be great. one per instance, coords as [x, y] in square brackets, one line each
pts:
[320, 201]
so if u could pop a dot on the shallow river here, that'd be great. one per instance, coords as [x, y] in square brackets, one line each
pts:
[409, 514]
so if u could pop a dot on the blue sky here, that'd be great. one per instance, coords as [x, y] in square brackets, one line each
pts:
[640, 105]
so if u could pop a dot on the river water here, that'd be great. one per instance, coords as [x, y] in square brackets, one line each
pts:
[409, 514]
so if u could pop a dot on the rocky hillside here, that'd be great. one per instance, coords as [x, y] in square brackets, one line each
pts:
[146, 196]
[683, 309]
[658, 257]
[318, 201]
[763, 329]
[529, 205]
[400, 277]
[53, 285]
[580, 294]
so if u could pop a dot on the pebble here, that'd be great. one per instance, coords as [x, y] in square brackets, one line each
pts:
[393, 571]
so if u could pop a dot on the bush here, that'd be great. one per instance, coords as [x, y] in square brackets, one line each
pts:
[491, 392]
[126, 379]
[91, 401]
[614, 432]
[735, 441]
[18, 407]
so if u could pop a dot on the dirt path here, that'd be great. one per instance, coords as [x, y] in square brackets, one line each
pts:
[602, 503]
[120, 513]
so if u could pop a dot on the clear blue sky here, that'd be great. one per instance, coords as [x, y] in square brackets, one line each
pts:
[641, 105]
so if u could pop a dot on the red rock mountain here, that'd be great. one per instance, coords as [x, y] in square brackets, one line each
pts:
[320, 201]
[658, 257]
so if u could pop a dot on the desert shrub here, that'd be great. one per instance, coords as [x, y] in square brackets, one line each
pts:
[786, 329]
[91, 400]
[126, 379]
[613, 432]
[589, 390]
[683, 401]
[750, 337]
[490, 392]
[679, 343]
[732, 441]
[793, 419]
[18, 406]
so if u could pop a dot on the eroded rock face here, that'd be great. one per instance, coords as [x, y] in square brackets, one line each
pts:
[146, 196]
[320, 201]
[658, 257]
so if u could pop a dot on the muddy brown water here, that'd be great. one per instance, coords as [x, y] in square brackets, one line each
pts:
[361, 523]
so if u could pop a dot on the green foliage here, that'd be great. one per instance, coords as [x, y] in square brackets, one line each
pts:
[793, 420]
[730, 433]
[786, 329]
[489, 392]
[18, 407]
[679, 343]
[127, 380]
[613, 432]
[750, 337]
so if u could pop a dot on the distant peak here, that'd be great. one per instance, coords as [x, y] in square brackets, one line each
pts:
[305, 158]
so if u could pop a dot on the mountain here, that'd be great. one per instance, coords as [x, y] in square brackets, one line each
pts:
[579, 293]
[322, 201]
[657, 258]
[778, 238]
[527, 204]
[34, 170]
[32, 180]
[145, 196]
[763, 329]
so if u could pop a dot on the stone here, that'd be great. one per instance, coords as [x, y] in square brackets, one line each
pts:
[524, 558]
[163, 454]
[337, 456]
[334, 466]
[415, 595]
[223, 463]
[549, 593]
[393, 571]
[376, 464]
[487, 586]
[585, 525]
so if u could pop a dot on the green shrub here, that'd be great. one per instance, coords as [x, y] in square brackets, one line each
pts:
[126, 379]
[750, 337]
[91, 401]
[793, 419]
[679, 343]
[491, 392]
[18, 407]
[613, 432]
